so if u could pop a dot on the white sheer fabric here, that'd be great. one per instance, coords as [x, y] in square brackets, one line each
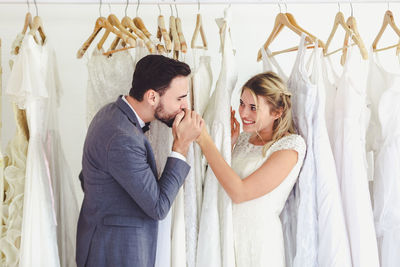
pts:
[50, 204]
[215, 242]
[258, 233]
[348, 146]
[333, 242]
[299, 217]
[384, 132]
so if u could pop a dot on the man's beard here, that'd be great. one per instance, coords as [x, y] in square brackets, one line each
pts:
[161, 115]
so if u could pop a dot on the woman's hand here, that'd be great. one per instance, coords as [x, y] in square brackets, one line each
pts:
[235, 128]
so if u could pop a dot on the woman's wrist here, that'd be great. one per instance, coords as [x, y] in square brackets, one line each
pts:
[203, 139]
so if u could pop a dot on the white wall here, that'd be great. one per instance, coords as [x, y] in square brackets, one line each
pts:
[68, 26]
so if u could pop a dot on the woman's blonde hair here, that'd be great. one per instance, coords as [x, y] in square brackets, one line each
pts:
[270, 86]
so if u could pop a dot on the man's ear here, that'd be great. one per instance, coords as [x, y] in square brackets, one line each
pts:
[151, 97]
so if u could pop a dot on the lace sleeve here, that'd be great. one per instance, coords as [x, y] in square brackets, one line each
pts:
[293, 141]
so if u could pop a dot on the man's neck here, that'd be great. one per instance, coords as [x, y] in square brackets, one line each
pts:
[142, 110]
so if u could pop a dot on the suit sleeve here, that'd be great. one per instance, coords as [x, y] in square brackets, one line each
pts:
[82, 181]
[127, 163]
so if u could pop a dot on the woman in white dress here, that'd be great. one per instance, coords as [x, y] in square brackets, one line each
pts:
[266, 162]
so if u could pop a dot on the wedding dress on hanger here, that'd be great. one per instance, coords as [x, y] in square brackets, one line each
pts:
[50, 209]
[215, 241]
[383, 134]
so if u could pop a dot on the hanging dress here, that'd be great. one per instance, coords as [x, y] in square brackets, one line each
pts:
[200, 94]
[384, 129]
[108, 78]
[14, 185]
[333, 242]
[299, 217]
[215, 242]
[348, 137]
[50, 204]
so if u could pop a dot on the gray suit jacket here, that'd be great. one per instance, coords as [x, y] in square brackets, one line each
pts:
[123, 200]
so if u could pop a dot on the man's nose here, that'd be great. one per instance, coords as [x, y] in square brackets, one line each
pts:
[184, 104]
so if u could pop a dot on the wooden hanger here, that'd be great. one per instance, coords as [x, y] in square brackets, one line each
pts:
[199, 28]
[281, 20]
[387, 20]
[162, 33]
[339, 20]
[117, 24]
[128, 24]
[103, 23]
[37, 26]
[181, 38]
[27, 23]
[352, 23]
[173, 34]
[294, 23]
[140, 25]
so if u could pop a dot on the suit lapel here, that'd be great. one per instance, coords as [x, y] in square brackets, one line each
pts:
[126, 109]
[122, 105]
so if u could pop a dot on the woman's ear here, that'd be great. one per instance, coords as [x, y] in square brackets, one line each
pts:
[278, 113]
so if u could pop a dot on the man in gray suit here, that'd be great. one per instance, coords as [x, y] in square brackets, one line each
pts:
[123, 199]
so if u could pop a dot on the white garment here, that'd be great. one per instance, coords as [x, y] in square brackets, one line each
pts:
[215, 241]
[330, 91]
[333, 242]
[50, 204]
[299, 217]
[108, 77]
[14, 185]
[202, 81]
[349, 131]
[384, 93]
[190, 192]
[258, 233]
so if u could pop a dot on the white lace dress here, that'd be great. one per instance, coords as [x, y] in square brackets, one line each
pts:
[108, 78]
[258, 233]
[50, 204]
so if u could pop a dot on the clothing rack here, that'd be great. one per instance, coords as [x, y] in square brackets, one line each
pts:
[195, 2]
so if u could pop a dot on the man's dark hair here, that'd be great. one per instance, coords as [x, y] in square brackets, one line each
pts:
[155, 72]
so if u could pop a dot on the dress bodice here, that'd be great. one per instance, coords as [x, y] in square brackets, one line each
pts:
[247, 158]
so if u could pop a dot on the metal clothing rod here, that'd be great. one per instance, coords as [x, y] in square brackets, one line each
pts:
[195, 2]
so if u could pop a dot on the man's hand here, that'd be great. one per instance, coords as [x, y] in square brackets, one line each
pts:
[186, 128]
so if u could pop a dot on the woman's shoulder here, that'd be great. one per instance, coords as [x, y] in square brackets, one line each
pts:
[290, 141]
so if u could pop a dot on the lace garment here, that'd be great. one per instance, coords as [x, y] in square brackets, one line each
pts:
[258, 233]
